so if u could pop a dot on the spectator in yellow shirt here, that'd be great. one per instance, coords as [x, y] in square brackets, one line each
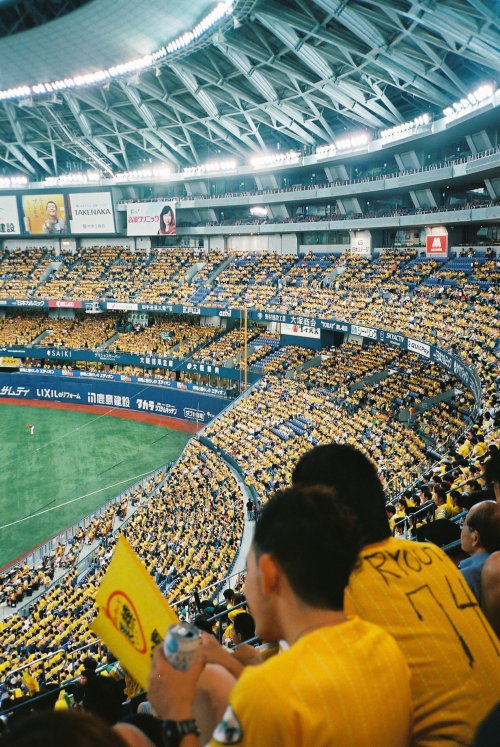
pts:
[320, 692]
[417, 594]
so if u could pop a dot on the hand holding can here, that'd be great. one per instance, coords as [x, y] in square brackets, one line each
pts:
[182, 645]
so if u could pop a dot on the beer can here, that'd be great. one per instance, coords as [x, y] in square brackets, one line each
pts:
[181, 645]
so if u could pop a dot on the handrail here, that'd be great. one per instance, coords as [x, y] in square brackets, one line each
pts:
[324, 185]
[186, 599]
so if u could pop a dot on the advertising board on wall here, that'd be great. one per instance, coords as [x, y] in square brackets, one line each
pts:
[91, 212]
[301, 330]
[151, 219]
[44, 214]
[185, 405]
[361, 245]
[9, 216]
[436, 245]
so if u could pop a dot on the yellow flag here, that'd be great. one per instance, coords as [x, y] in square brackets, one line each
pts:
[30, 682]
[133, 616]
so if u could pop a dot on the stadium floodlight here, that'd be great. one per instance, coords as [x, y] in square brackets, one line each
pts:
[227, 164]
[155, 172]
[405, 128]
[275, 159]
[13, 181]
[78, 177]
[472, 101]
[222, 9]
[326, 150]
[353, 141]
[350, 142]
[258, 211]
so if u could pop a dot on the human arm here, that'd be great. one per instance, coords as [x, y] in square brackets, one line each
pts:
[490, 591]
[247, 655]
[216, 654]
[172, 692]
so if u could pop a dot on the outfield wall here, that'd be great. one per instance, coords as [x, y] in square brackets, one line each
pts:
[190, 407]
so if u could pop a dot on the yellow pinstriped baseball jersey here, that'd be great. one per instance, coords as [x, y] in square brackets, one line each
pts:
[346, 684]
[413, 590]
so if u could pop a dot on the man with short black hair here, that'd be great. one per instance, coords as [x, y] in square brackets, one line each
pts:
[100, 695]
[415, 592]
[333, 684]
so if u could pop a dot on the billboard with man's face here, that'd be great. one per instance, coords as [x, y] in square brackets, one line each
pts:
[150, 219]
[44, 214]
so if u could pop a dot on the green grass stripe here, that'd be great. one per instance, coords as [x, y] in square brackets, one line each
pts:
[71, 455]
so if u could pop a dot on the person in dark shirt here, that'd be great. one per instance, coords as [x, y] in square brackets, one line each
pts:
[100, 695]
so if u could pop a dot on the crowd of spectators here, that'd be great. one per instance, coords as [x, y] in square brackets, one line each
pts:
[228, 349]
[341, 398]
[21, 328]
[176, 337]
[22, 270]
[186, 531]
[113, 272]
[80, 332]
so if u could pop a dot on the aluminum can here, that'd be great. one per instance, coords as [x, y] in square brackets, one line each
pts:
[181, 645]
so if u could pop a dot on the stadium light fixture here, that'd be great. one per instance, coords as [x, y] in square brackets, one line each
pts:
[258, 211]
[405, 128]
[228, 164]
[351, 142]
[156, 172]
[72, 178]
[467, 104]
[13, 181]
[222, 9]
[275, 159]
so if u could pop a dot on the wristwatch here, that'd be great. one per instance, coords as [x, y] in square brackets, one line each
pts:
[174, 731]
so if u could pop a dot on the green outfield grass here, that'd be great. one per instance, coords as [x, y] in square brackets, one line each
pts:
[72, 455]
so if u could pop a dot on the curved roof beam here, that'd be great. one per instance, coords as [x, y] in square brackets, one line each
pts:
[449, 24]
[243, 64]
[354, 21]
[317, 62]
[189, 80]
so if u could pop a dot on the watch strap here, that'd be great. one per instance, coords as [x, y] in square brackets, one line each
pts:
[174, 731]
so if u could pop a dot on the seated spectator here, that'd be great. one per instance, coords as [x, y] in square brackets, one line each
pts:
[416, 593]
[443, 508]
[325, 679]
[244, 628]
[479, 538]
[100, 695]
[490, 577]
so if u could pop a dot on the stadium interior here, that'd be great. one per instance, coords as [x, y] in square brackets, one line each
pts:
[269, 225]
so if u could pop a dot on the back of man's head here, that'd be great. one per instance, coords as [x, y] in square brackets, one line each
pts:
[89, 664]
[492, 469]
[314, 538]
[484, 518]
[244, 625]
[348, 471]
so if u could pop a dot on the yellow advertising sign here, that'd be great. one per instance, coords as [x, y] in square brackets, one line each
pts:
[8, 362]
[133, 615]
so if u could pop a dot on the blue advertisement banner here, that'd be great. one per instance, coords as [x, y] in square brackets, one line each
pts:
[123, 359]
[191, 406]
[450, 362]
[184, 385]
